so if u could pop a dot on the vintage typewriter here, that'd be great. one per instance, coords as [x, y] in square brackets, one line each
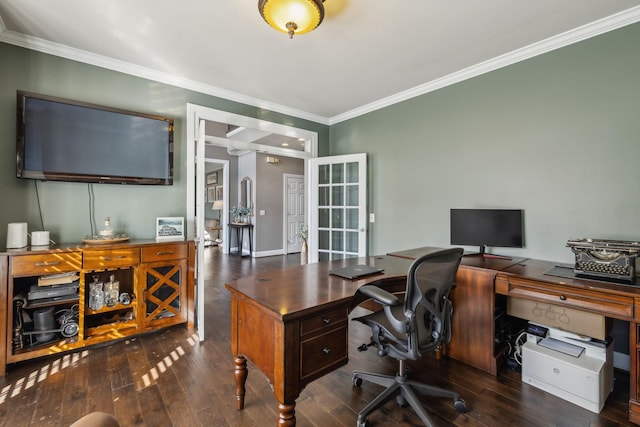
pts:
[606, 259]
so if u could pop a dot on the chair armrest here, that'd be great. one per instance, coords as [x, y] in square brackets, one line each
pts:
[379, 295]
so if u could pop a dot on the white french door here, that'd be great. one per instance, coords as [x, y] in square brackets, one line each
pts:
[338, 207]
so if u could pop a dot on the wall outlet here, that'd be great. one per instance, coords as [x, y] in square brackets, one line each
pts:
[262, 212]
[372, 217]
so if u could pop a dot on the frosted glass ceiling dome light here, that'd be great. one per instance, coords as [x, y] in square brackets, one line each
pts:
[292, 16]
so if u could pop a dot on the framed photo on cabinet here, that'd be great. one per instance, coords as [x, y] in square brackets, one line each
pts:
[169, 228]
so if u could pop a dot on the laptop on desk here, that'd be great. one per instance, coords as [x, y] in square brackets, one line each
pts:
[356, 271]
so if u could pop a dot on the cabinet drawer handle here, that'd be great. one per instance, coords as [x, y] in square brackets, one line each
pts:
[326, 320]
[109, 258]
[563, 298]
[165, 253]
[326, 350]
[46, 263]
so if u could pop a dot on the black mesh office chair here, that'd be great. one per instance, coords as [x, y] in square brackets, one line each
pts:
[410, 329]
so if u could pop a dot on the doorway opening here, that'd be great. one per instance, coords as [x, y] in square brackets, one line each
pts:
[236, 143]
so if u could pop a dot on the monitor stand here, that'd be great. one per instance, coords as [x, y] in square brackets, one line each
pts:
[482, 254]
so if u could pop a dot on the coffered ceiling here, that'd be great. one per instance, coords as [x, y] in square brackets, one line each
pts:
[365, 55]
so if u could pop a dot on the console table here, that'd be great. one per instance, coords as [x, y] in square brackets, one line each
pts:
[239, 228]
[292, 323]
[157, 278]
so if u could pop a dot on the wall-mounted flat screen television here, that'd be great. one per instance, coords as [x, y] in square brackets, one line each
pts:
[487, 227]
[64, 140]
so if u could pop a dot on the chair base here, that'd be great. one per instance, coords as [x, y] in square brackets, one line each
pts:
[403, 390]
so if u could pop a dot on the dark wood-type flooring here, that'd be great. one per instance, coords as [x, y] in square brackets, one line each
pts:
[168, 378]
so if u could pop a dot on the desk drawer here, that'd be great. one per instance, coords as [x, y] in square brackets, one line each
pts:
[607, 304]
[42, 264]
[324, 321]
[560, 316]
[164, 252]
[323, 353]
[109, 258]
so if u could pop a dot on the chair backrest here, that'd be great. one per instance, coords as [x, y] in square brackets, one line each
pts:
[429, 282]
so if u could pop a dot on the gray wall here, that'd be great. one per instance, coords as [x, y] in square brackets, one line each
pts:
[557, 135]
[65, 206]
[269, 196]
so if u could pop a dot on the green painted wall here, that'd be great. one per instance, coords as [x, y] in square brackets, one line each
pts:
[557, 135]
[65, 206]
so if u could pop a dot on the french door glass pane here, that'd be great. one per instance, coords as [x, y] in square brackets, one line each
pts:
[337, 173]
[323, 240]
[323, 196]
[352, 241]
[337, 219]
[352, 219]
[352, 172]
[337, 241]
[323, 174]
[323, 218]
[337, 196]
[351, 196]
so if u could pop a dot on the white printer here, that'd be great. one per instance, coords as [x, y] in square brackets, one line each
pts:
[569, 366]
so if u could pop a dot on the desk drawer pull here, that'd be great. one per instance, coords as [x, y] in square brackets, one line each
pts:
[165, 253]
[326, 320]
[109, 258]
[326, 350]
[47, 263]
[563, 298]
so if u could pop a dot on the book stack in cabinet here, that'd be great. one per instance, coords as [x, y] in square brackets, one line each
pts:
[73, 296]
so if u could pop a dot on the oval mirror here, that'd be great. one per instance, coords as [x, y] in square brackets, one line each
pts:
[246, 197]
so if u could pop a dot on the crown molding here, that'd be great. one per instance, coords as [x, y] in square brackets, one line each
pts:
[56, 49]
[601, 26]
[610, 23]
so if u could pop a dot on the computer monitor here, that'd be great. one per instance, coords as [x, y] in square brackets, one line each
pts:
[487, 227]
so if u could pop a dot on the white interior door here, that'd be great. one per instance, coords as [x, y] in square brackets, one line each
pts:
[338, 207]
[294, 208]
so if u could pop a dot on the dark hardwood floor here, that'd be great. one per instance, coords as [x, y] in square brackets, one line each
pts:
[168, 378]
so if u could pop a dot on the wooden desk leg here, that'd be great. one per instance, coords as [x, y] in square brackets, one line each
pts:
[287, 414]
[240, 374]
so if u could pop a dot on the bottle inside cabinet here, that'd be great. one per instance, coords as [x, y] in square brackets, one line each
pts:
[45, 311]
[109, 301]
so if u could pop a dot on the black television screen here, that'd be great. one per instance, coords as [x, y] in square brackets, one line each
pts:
[487, 227]
[63, 140]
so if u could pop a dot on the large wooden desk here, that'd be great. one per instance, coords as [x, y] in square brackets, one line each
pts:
[618, 301]
[292, 323]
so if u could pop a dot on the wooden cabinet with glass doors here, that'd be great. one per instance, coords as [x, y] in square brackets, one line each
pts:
[72, 296]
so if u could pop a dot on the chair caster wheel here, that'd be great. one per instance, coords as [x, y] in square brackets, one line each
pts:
[401, 401]
[364, 423]
[460, 406]
[357, 381]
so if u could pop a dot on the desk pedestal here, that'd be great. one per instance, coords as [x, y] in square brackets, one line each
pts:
[293, 324]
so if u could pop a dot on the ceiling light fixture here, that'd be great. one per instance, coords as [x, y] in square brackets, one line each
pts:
[292, 16]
